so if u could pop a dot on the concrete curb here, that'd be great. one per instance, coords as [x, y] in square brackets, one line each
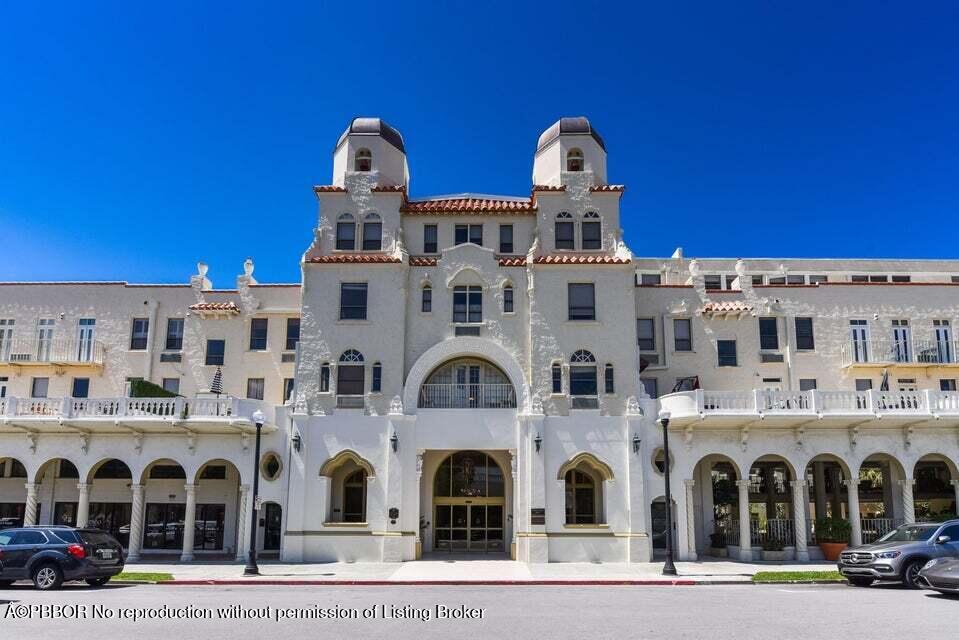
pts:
[449, 583]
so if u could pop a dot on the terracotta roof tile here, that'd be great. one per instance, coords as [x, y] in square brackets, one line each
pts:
[389, 188]
[512, 262]
[328, 188]
[731, 306]
[227, 307]
[609, 187]
[422, 261]
[565, 258]
[469, 204]
[355, 258]
[548, 187]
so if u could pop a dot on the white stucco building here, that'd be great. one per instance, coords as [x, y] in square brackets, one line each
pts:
[483, 374]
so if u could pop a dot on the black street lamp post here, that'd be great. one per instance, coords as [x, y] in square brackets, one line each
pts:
[669, 569]
[251, 567]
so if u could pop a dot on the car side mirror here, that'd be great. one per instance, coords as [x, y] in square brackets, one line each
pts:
[943, 539]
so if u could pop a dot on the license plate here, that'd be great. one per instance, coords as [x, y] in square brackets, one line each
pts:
[106, 554]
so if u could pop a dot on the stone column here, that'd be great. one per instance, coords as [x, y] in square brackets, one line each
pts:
[908, 504]
[852, 493]
[690, 519]
[800, 507]
[241, 524]
[83, 504]
[30, 512]
[836, 498]
[514, 477]
[955, 487]
[189, 524]
[136, 524]
[745, 539]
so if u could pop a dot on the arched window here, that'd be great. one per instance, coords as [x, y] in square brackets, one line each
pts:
[581, 497]
[350, 380]
[582, 380]
[376, 378]
[565, 236]
[363, 160]
[426, 299]
[574, 160]
[609, 381]
[325, 377]
[592, 233]
[354, 497]
[508, 299]
[557, 376]
[345, 233]
[372, 232]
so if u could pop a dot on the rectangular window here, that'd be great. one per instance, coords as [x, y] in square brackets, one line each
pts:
[592, 235]
[609, 379]
[254, 388]
[39, 387]
[472, 233]
[777, 279]
[81, 388]
[287, 389]
[506, 238]
[727, 352]
[426, 304]
[804, 334]
[947, 384]
[258, 330]
[372, 236]
[768, 334]
[651, 385]
[353, 301]
[139, 334]
[731, 282]
[215, 351]
[467, 304]
[172, 385]
[682, 334]
[429, 238]
[581, 301]
[902, 278]
[376, 378]
[758, 281]
[796, 279]
[863, 384]
[646, 330]
[174, 334]
[713, 282]
[818, 279]
[325, 378]
[292, 333]
[349, 380]
[345, 236]
[807, 384]
[582, 381]
[650, 279]
[557, 378]
[508, 300]
[564, 234]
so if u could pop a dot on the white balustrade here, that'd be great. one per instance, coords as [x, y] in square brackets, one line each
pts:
[728, 401]
[56, 350]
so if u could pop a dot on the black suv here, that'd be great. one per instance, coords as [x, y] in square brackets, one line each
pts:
[51, 555]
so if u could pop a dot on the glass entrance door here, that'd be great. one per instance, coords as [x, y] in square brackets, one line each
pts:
[469, 527]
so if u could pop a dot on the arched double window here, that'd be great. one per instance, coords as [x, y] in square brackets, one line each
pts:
[363, 160]
[574, 160]
[372, 232]
[582, 380]
[592, 231]
[350, 380]
[564, 231]
[345, 232]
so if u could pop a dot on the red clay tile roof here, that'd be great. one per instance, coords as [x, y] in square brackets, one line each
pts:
[609, 187]
[512, 262]
[422, 261]
[328, 188]
[227, 307]
[548, 187]
[731, 306]
[355, 258]
[389, 188]
[469, 204]
[578, 259]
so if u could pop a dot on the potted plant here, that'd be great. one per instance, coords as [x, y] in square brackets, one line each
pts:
[774, 550]
[832, 535]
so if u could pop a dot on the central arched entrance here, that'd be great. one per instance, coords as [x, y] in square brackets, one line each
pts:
[469, 504]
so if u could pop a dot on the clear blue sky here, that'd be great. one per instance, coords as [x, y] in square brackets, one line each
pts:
[138, 138]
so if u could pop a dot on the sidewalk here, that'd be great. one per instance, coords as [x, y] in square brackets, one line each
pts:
[457, 570]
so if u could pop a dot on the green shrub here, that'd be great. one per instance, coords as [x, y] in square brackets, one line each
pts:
[833, 530]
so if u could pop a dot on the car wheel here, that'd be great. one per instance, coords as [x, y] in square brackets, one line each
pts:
[860, 582]
[98, 582]
[47, 577]
[911, 572]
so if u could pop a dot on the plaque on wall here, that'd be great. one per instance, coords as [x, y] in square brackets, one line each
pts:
[537, 516]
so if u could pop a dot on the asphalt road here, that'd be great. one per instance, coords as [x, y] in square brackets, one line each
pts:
[810, 612]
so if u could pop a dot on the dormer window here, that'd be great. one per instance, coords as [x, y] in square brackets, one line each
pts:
[345, 232]
[574, 160]
[592, 231]
[564, 231]
[372, 232]
[363, 161]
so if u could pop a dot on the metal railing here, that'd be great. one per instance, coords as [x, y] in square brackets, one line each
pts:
[879, 351]
[778, 529]
[875, 528]
[51, 351]
[467, 396]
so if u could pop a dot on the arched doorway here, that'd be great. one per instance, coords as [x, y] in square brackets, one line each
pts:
[13, 496]
[936, 495]
[881, 507]
[58, 492]
[469, 504]
[717, 505]
[827, 494]
[770, 503]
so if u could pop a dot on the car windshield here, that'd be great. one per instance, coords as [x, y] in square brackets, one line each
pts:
[5, 538]
[911, 533]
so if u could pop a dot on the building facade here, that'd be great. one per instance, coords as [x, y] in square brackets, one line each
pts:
[484, 374]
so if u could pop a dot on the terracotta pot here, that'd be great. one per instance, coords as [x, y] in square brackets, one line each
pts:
[831, 550]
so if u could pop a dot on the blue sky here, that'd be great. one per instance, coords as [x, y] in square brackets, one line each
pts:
[136, 139]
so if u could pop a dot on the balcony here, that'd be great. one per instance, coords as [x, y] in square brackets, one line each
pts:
[33, 352]
[888, 353]
[467, 396]
[775, 407]
[140, 415]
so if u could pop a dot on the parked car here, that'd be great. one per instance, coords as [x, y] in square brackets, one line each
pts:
[50, 556]
[900, 554]
[940, 574]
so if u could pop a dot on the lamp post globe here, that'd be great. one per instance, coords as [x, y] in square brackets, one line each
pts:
[251, 568]
[669, 569]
